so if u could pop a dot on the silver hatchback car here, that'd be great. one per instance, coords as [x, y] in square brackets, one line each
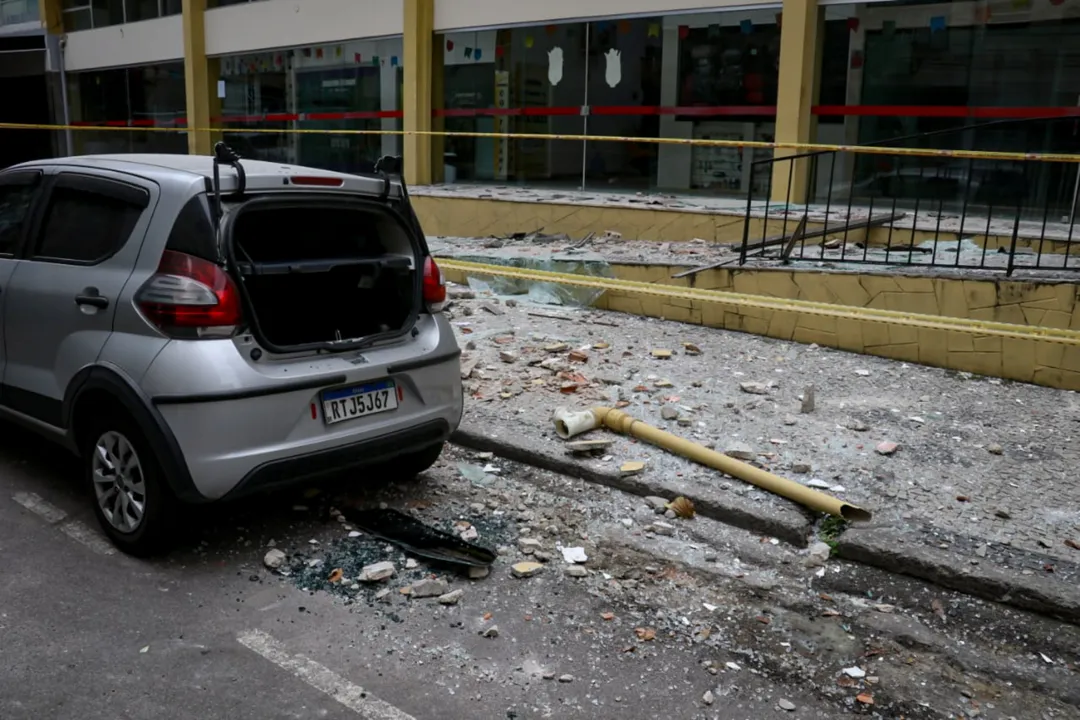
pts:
[200, 328]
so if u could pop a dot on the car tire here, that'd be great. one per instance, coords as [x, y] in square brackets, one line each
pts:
[127, 487]
[409, 466]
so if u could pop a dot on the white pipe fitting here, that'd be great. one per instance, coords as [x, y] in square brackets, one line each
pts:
[569, 423]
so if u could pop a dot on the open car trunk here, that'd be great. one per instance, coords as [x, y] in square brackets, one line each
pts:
[323, 274]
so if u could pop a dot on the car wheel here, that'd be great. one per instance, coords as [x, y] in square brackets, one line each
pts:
[131, 501]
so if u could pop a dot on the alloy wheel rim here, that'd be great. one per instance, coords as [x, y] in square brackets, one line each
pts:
[118, 482]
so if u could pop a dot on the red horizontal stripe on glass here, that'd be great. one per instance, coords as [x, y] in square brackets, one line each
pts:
[695, 111]
[358, 115]
[720, 110]
[946, 111]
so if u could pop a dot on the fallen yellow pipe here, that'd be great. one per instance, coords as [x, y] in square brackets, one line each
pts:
[568, 424]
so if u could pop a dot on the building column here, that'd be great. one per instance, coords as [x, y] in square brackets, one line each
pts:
[52, 20]
[801, 33]
[418, 49]
[200, 79]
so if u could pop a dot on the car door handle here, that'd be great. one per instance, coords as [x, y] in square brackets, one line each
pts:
[90, 296]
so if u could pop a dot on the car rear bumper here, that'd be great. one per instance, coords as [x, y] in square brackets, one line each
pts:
[241, 427]
[289, 470]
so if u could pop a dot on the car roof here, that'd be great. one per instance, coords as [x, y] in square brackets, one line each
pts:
[194, 166]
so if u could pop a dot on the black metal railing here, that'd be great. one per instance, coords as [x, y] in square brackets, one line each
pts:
[942, 210]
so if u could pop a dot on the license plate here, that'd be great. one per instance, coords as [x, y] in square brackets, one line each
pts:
[359, 401]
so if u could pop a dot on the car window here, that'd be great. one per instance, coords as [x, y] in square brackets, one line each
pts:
[193, 232]
[14, 207]
[85, 227]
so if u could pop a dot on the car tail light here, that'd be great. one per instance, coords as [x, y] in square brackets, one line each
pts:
[189, 297]
[434, 286]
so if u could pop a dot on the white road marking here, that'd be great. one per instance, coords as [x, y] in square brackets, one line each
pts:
[39, 506]
[321, 678]
[80, 532]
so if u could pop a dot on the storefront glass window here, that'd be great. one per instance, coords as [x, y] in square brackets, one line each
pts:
[256, 105]
[709, 75]
[346, 87]
[625, 72]
[528, 80]
[980, 75]
[151, 96]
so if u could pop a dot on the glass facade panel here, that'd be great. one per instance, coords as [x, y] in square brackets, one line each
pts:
[625, 70]
[15, 12]
[709, 75]
[528, 80]
[352, 87]
[151, 96]
[256, 105]
[966, 74]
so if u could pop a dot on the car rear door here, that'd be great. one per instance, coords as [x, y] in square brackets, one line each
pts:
[18, 190]
[61, 298]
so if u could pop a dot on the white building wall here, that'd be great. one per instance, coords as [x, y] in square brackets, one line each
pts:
[139, 43]
[458, 14]
[271, 24]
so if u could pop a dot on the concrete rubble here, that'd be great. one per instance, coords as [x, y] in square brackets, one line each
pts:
[907, 441]
[612, 248]
[737, 601]
[750, 585]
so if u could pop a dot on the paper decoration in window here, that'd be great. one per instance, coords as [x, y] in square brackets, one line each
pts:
[468, 52]
[499, 51]
[856, 59]
[624, 27]
[684, 32]
[318, 53]
[853, 24]
[278, 61]
[746, 26]
[654, 29]
[450, 45]
[555, 65]
[551, 29]
[529, 41]
[338, 51]
[937, 22]
[357, 58]
[393, 61]
[613, 67]
[375, 60]
[602, 26]
[477, 53]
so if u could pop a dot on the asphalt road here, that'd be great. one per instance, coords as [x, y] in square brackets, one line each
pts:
[207, 632]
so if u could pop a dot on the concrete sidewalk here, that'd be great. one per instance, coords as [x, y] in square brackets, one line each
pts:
[977, 494]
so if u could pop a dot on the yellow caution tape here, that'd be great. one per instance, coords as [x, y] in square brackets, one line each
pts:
[863, 314]
[696, 142]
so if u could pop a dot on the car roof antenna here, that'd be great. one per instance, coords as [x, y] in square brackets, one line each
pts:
[225, 154]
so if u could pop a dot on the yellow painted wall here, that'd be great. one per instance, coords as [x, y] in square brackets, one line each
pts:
[1018, 302]
[1021, 356]
[482, 217]
[1023, 352]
